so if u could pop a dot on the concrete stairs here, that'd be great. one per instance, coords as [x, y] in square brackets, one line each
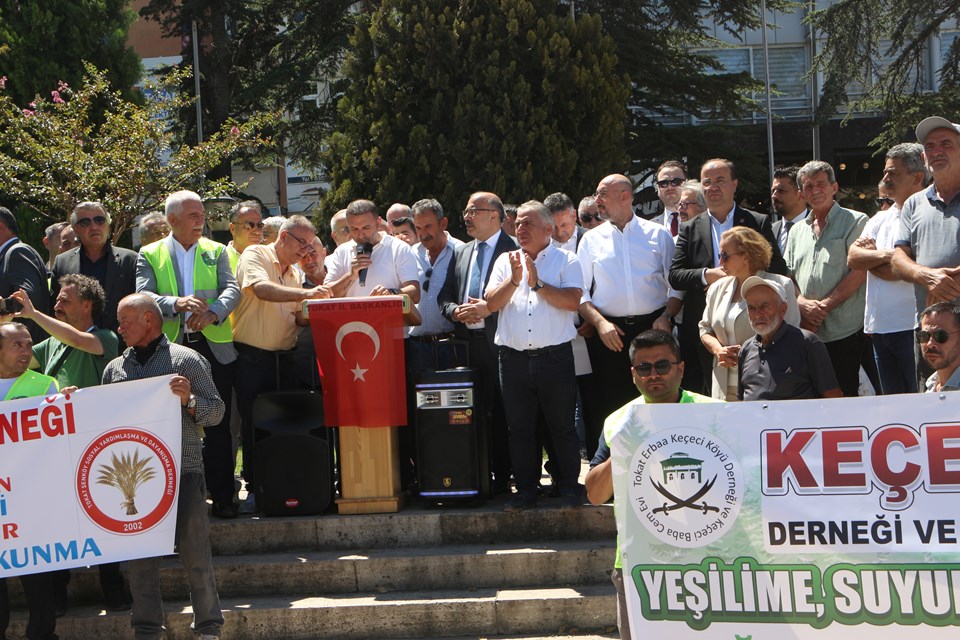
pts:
[440, 572]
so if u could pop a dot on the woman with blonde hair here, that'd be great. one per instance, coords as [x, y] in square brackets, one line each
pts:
[725, 324]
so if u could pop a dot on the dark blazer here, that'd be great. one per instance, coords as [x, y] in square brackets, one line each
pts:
[120, 280]
[21, 267]
[458, 278]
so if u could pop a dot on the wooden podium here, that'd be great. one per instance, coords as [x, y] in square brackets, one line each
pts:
[369, 456]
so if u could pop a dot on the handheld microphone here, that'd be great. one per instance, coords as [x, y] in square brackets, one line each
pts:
[364, 248]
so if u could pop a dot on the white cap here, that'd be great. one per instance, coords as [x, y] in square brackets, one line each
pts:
[935, 122]
[756, 281]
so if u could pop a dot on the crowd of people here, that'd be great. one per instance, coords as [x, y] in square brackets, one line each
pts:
[565, 310]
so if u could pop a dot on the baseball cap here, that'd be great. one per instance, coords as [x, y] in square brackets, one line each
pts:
[934, 122]
[756, 281]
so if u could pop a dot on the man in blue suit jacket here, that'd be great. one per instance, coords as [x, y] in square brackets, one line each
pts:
[461, 302]
[21, 267]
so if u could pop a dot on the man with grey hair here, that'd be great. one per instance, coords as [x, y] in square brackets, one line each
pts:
[271, 228]
[190, 278]
[372, 263]
[151, 355]
[153, 227]
[51, 240]
[398, 210]
[927, 253]
[537, 291]
[246, 229]
[114, 268]
[339, 230]
[265, 322]
[890, 312]
[831, 293]
[587, 214]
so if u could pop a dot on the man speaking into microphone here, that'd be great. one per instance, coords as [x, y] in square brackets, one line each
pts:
[371, 263]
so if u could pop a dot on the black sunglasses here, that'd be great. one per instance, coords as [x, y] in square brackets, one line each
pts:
[672, 182]
[97, 220]
[589, 217]
[660, 366]
[250, 224]
[940, 336]
[885, 201]
[426, 283]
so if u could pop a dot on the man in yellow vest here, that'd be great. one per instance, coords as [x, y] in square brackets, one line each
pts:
[190, 278]
[17, 381]
[657, 370]
[246, 228]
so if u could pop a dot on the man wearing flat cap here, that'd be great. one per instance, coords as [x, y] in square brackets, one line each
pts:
[927, 250]
[781, 362]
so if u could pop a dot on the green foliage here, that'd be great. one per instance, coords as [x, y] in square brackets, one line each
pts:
[47, 41]
[881, 47]
[92, 144]
[444, 99]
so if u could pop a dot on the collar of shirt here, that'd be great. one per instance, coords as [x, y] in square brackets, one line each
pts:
[800, 218]
[570, 245]
[185, 263]
[776, 336]
[952, 383]
[7, 244]
[142, 354]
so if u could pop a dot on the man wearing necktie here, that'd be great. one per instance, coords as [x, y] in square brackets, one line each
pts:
[670, 177]
[787, 202]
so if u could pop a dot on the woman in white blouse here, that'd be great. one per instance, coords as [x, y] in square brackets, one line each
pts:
[725, 324]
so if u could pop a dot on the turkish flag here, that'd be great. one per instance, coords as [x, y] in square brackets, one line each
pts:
[359, 346]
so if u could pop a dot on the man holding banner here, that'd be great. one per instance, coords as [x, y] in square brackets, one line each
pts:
[657, 370]
[150, 354]
[17, 382]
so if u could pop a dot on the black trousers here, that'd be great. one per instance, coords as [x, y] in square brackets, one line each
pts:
[845, 355]
[486, 360]
[218, 460]
[613, 384]
[38, 590]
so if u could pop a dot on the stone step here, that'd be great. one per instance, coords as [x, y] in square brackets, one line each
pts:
[408, 614]
[416, 526]
[577, 562]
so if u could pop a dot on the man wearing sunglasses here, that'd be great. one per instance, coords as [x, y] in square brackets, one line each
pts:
[781, 362]
[587, 213]
[96, 257]
[192, 281]
[890, 311]
[656, 369]
[939, 338]
[246, 229]
[670, 177]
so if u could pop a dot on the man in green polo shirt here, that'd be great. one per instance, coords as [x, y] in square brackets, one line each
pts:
[17, 381]
[657, 370]
[76, 354]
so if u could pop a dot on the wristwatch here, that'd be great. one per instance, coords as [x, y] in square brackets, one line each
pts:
[537, 286]
[192, 402]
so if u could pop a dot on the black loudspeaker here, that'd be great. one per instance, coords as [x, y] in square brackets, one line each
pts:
[451, 438]
[292, 454]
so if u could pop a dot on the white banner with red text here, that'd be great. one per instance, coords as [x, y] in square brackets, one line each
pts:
[797, 519]
[89, 478]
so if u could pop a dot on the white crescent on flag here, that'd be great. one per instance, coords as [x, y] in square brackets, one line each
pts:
[358, 327]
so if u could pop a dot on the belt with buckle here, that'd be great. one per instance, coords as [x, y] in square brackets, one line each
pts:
[431, 339]
[193, 336]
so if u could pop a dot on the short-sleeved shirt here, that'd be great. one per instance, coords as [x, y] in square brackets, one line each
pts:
[930, 228]
[392, 263]
[795, 365]
[819, 264]
[890, 305]
[432, 321]
[79, 369]
[528, 321]
[266, 325]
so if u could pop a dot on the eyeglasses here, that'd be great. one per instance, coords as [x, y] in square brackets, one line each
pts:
[97, 220]
[660, 366]
[603, 193]
[250, 224]
[683, 205]
[306, 246]
[472, 211]
[724, 256]
[672, 182]
[885, 202]
[589, 217]
[940, 336]
[426, 282]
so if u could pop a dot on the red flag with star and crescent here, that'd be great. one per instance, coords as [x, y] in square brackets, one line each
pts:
[359, 347]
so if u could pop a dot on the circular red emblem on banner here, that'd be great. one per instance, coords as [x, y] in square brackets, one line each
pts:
[127, 481]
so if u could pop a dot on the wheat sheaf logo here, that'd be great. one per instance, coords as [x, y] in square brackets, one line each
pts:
[138, 465]
[127, 473]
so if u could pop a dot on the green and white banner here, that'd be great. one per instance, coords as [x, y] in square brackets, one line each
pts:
[796, 519]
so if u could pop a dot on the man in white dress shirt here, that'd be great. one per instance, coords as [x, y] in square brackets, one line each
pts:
[537, 291]
[626, 265]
